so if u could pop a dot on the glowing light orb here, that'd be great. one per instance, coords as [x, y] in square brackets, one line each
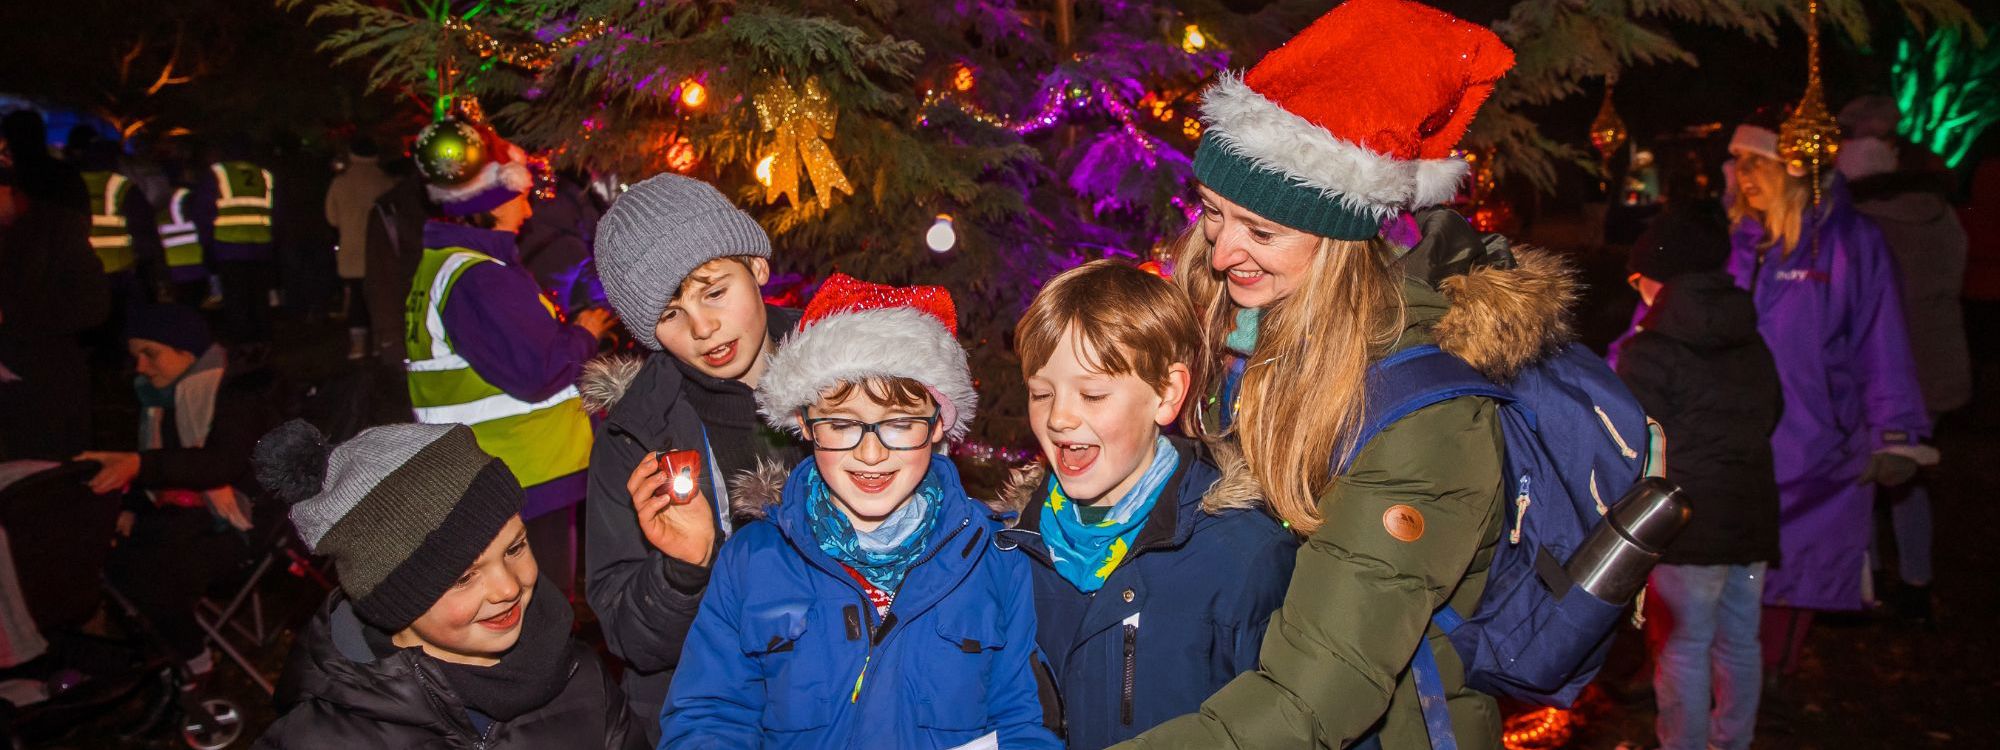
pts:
[681, 156]
[942, 236]
[764, 169]
[693, 94]
[1192, 40]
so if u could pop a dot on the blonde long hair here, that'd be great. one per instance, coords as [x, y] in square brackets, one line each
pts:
[1301, 398]
[1784, 216]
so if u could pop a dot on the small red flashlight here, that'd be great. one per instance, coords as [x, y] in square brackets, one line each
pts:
[681, 468]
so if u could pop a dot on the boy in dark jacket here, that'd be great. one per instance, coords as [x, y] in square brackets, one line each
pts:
[443, 633]
[683, 268]
[1155, 574]
[869, 608]
[1699, 367]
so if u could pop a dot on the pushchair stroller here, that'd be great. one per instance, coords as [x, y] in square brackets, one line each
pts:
[61, 535]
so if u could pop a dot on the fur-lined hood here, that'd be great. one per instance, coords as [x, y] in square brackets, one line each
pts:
[753, 493]
[1508, 306]
[606, 379]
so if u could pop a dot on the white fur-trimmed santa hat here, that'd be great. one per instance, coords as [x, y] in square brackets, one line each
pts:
[854, 330]
[1353, 121]
[1757, 135]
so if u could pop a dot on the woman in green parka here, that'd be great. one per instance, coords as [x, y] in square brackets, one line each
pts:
[1309, 266]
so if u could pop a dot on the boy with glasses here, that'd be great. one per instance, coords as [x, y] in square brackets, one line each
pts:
[868, 606]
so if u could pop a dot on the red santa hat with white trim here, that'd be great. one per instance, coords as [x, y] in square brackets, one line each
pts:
[854, 330]
[1353, 121]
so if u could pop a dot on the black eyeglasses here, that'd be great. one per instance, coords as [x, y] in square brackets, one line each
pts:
[899, 434]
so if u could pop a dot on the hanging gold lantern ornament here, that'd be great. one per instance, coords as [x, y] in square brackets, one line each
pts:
[802, 121]
[1810, 137]
[1607, 130]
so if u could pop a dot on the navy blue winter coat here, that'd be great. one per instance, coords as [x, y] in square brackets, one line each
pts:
[1180, 617]
[773, 657]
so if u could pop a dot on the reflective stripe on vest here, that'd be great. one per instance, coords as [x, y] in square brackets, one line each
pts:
[538, 441]
[108, 234]
[242, 203]
[177, 232]
[498, 406]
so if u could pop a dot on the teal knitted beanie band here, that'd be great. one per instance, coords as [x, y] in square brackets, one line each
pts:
[1272, 195]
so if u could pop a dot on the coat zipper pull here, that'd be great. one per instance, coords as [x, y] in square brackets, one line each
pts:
[856, 695]
[1131, 664]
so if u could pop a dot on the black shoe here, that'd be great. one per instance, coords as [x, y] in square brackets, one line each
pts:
[1913, 605]
[1775, 710]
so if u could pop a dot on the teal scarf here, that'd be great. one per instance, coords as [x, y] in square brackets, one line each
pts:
[1243, 338]
[1086, 555]
[882, 556]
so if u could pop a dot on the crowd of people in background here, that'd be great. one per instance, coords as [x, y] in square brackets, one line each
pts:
[755, 504]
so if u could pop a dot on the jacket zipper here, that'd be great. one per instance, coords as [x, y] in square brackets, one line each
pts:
[868, 608]
[1131, 658]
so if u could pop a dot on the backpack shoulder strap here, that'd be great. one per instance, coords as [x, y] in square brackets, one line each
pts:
[1409, 380]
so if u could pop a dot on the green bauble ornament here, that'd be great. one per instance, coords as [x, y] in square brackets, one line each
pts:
[449, 152]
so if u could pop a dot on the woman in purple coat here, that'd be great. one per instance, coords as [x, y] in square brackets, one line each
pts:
[1828, 306]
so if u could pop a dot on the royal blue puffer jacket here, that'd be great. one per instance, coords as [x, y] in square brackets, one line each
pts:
[1179, 618]
[775, 657]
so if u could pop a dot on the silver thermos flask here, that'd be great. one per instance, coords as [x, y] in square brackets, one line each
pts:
[1613, 563]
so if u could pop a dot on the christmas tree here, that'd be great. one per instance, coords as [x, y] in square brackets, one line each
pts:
[984, 145]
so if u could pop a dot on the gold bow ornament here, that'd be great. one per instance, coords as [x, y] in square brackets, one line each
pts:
[803, 122]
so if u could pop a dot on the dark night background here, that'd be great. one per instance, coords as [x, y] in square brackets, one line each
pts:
[253, 70]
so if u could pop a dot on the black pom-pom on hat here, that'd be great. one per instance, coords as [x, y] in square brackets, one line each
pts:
[291, 461]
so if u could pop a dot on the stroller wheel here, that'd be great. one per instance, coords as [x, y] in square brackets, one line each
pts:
[219, 727]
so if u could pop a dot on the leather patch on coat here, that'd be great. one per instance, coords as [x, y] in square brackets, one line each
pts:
[1403, 522]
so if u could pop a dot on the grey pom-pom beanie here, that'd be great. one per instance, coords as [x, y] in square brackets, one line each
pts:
[656, 233]
[401, 510]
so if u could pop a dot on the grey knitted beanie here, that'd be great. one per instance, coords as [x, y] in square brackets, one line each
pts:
[402, 510]
[659, 231]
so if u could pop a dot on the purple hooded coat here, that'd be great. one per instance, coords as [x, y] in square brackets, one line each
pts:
[1831, 313]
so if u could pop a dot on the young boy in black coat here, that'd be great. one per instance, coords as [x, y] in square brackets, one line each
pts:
[684, 269]
[444, 633]
[1700, 368]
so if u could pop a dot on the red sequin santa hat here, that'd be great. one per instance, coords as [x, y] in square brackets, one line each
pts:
[854, 330]
[1353, 121]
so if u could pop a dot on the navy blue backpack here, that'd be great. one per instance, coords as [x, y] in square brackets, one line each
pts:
[1576, 440]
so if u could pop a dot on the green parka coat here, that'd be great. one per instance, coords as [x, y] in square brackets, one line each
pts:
[1334, 664]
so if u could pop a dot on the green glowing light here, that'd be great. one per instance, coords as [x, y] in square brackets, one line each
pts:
[1948, 89]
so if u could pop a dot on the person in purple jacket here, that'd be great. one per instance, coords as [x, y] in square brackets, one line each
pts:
[486, 349]
[1829, 308]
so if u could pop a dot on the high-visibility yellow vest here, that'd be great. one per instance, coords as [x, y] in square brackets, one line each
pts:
[108, 234]
[242, 203]
[177, 235]
[537, 441]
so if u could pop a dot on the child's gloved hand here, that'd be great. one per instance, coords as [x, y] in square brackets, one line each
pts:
[684, 531]
[1889, 469]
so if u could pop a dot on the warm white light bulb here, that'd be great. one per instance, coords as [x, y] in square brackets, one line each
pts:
[942, 236]
[763, 169]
